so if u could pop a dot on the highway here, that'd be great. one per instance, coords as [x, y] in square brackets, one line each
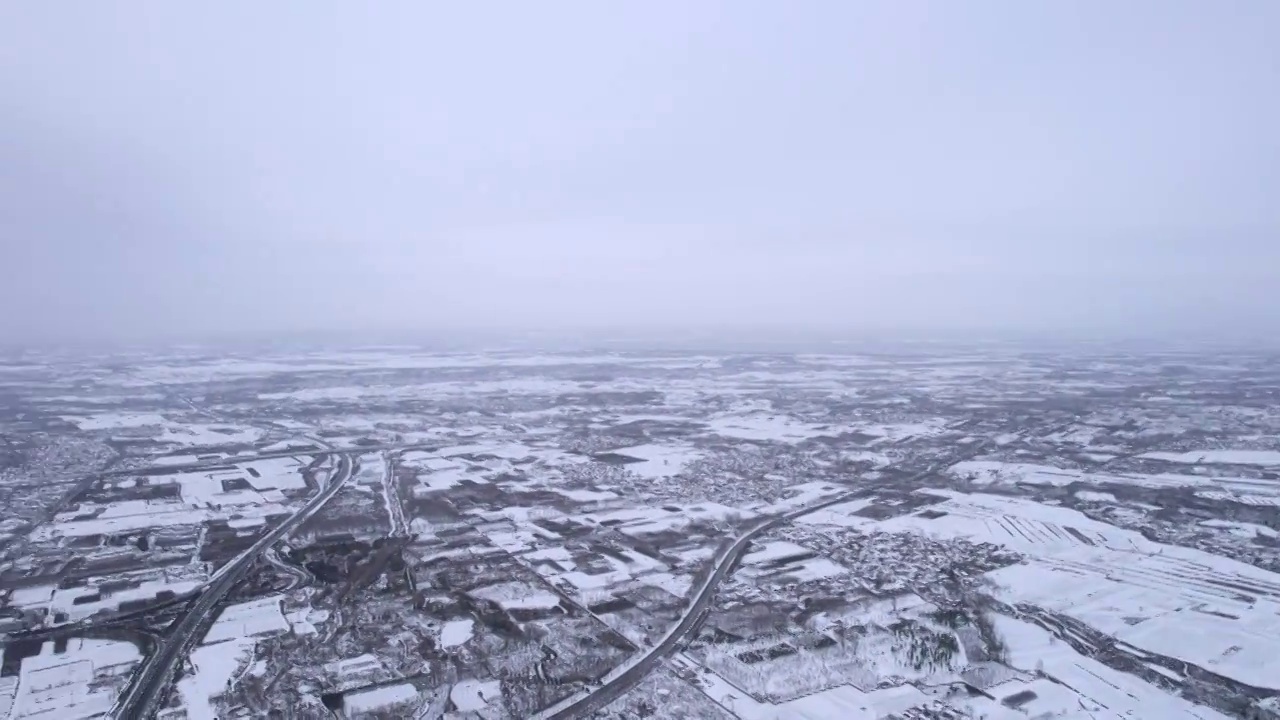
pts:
[149, 685]
[726, 560]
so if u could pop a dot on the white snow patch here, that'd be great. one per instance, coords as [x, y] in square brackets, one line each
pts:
[378, 698]
[207, 435]
[866, 456]
[215, 666]
[986, 472]
[778, 428]
[456, 632]
[475, 695]
[775, 550]
[304, 621]
[585, 496]
[248, 619]
[517, 595]
[843, 701]
[1243, 529]
[815, 569]
[643, 521]
[276, 474]
[1100, 497]
[34, 595]
[678, 585]
[63, 600]
[800, 496]
[115, 421]
[900, 432]
[659, 461]
[1229, 457]
[73, 684]
[842, 514]
[1099, 689]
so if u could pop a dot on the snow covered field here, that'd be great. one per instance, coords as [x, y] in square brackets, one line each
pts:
[659, 461]
[1222, 457]
[80, 681]
[518, 596]
[842, 701]
[983, 472]
[1250, 491]
[455, 633]
[227, 651]
[1092, 690]
[644, 521]
[379, 699]
[115, 421]
[842, 514]
[1119, 582]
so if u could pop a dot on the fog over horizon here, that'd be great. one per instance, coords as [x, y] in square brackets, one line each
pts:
[1056, 169]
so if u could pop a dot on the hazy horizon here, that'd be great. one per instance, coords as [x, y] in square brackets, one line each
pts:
[175, 172]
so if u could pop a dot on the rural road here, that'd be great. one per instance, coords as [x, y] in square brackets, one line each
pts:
[150, 683]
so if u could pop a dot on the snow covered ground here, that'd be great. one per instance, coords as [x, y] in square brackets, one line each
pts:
[131, 515]
[1164, 599]
[517, 595]
[1241, 529]
[1098, 497]
[378, 699]
[81, 681]
[116, 421]
[812, 570]
[1022, 525]
[760, 426]
[841, 514]
[249, 619]
[275, 474]
[659, 461]
[843, 701]
[586, 496]
[800, 496]
[80, 602]
[227, 651]
[456, 632]
[216, 666]
[773, 551]
[1250, 491]
[642, 521]
[1093, 690]
[986, 472]
[1225, 457]
[198, 435]
[488, 453]
[470, 696]
[677, 585]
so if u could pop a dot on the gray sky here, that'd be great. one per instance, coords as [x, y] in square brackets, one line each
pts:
[187, 168]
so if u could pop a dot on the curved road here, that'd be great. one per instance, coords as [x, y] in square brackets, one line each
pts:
[726, 561]
[297, 576]
[630, 674]
[150, 684]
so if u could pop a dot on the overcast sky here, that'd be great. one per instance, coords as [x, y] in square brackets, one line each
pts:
[171, 169]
